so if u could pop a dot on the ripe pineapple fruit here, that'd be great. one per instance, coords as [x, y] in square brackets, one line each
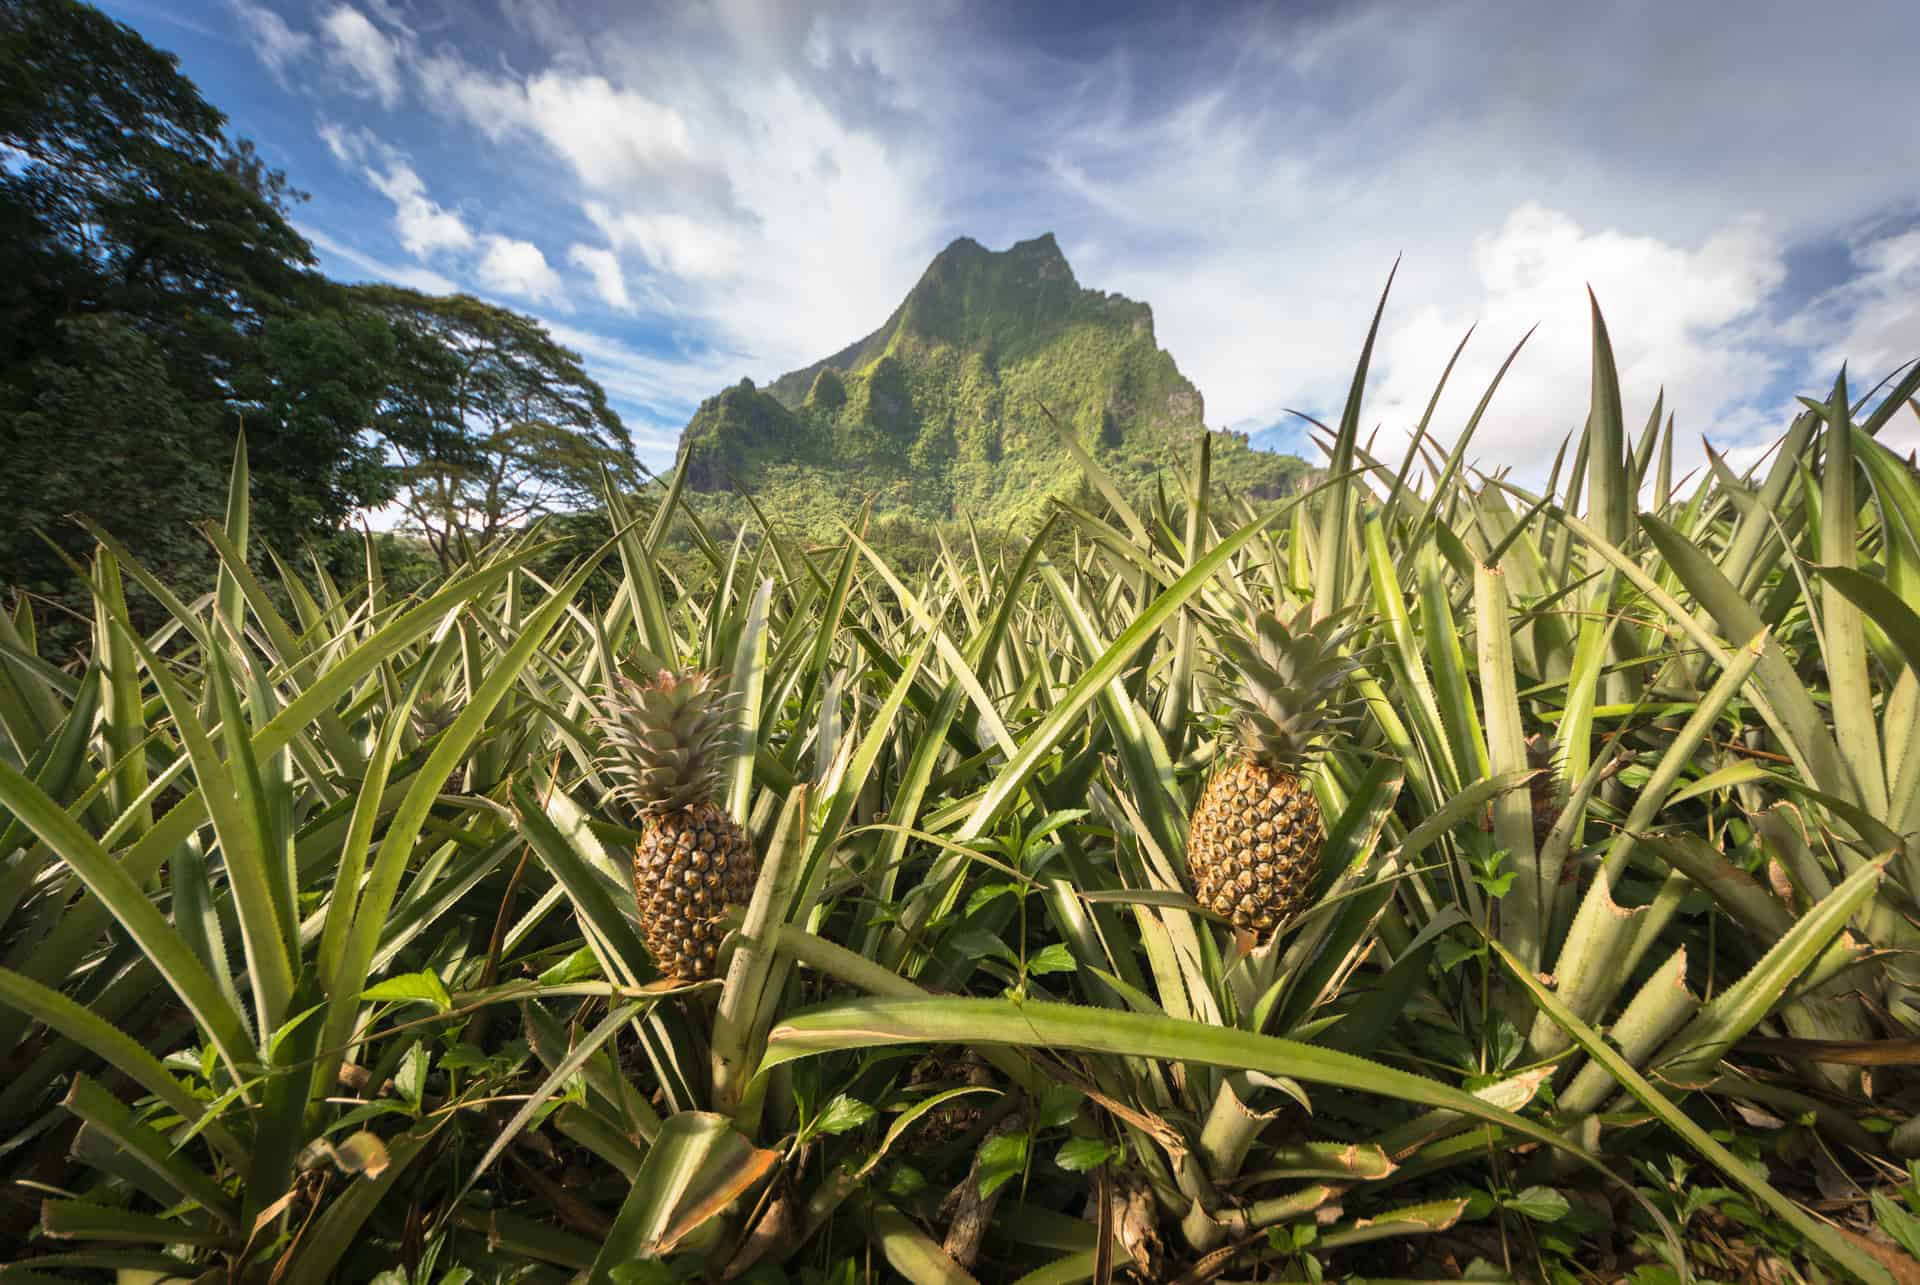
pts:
[1254, 840]
[663, 745]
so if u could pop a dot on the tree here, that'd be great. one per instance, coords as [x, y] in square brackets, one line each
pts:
[492, 422]
[154, 299]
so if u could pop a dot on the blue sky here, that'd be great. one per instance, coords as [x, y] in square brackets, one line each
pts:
[688, 193]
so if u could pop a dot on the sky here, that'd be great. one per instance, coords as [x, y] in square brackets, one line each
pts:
[689, 193]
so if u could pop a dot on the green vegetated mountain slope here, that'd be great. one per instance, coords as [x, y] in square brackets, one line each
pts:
[938, 415]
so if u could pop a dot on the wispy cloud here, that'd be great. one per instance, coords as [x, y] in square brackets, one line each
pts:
[604, 267]
[1513, 157]
[1872, 320]
[369, 58]
[367, 267]
[274, 42]
[422, 225]
[1684, 319]
[758, 208]
[657, 385]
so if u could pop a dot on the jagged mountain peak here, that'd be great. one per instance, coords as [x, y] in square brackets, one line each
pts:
[973, 297]
[949, 408]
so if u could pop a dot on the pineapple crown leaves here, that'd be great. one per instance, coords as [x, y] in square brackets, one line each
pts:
[664, 738]
[434, 712]
[1290, 673]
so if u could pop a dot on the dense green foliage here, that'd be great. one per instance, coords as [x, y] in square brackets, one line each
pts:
[153, 297]
[489, 422]
[956, 407]
[155, 301]
[319, 954]
[319, 958]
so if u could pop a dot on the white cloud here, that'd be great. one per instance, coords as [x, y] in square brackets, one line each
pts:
[494, 105]
[518, 268]
[819, 46]
[372, 268]
[604, 267]
[423, 226]
[753, 204]
[674, 243]
[347, 145]
[1258, 206]
[1902, 433]
[370, 59]
[662, 385]
[274, 42]
[1873, 321]
[613, 137]
[547, 23]
[1679, 318]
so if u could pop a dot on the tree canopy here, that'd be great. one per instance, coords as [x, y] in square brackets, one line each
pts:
[491, 421]
[147, 275]
[155, 301]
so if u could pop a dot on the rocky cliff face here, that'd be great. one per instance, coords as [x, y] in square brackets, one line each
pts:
[948, 410]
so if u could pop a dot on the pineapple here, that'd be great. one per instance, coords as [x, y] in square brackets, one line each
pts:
[434, 713]
[663, 745]
[1254, 841]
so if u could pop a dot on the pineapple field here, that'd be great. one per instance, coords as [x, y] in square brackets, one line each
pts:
[1419, 876]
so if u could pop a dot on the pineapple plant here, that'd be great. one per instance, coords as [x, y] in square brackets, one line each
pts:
[434, 713]
[1254, 838]
[1544, 794]
[664, 741]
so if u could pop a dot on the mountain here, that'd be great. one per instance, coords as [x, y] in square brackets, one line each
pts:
[938, 415]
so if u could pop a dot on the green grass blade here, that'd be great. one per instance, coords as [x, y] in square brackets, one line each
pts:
[1179, 693]
[558, 834]
[228, 596]
[84, 1220]
[1796, 717]
[1608, 494]
[1588, 967]
[265, 932]
[1843, 633]
[1521, 915]
[913, 1253]
[640, 567]
[1340, 504]
[1738, 1009]
[397, 846]
[576, 1057]
[123, 723]
[745, 989]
